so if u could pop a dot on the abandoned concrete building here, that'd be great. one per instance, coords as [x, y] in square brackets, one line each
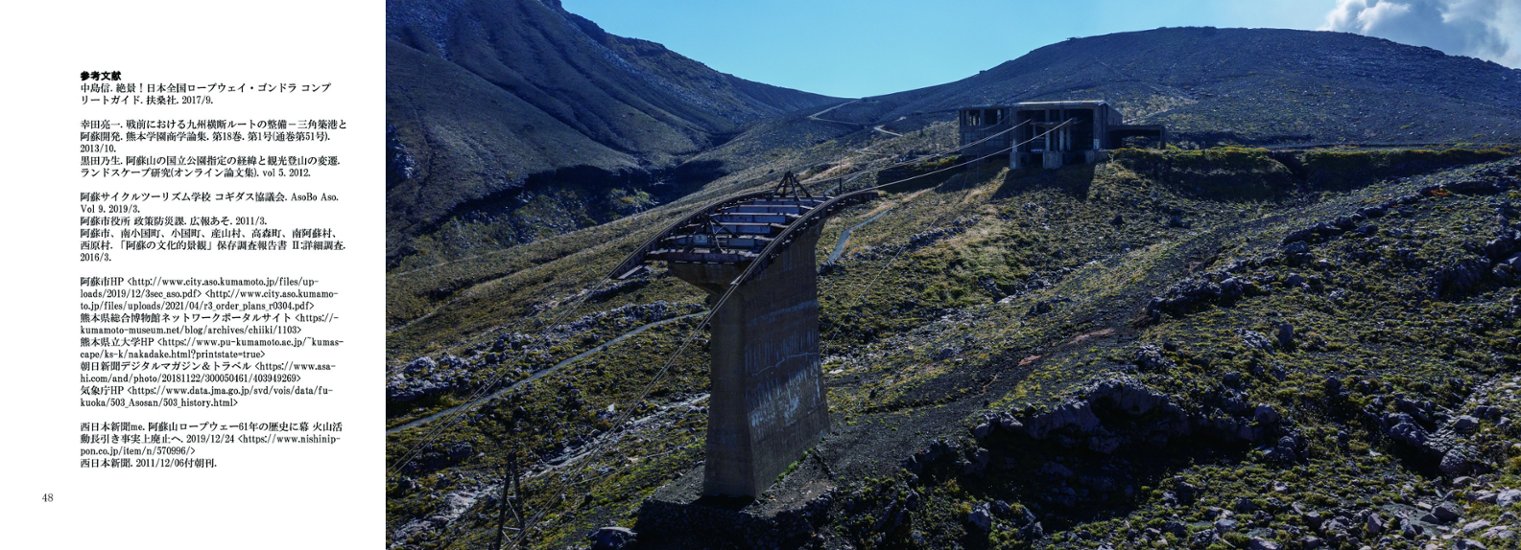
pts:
[1051, 134]
[754, 254]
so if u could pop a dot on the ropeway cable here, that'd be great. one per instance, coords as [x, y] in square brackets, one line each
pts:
[733, 286]
[487, 388]
[598, 450]
[484, 389]
[876, 278]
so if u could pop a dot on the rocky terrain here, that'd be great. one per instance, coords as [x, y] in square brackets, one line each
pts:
[1248, 86]
[509, 120]
[1288, 350]
[513, 120]
[1228, 346]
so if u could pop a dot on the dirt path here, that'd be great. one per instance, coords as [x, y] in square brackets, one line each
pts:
[817, 116]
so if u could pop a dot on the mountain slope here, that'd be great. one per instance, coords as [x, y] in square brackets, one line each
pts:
[1055, 299]
[1222, 348]
[483, 95]
[513, 120]
[1250, 86]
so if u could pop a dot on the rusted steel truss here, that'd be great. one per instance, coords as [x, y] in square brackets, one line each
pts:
[745, 229]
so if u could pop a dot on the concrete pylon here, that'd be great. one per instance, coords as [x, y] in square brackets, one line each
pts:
[768, 402]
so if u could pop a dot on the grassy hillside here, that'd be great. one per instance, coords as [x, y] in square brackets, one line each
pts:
[513, 120]
[1201, 347]
[1250, 87]
[518, 114]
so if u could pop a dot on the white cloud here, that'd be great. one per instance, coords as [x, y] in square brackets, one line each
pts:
[1486, 29]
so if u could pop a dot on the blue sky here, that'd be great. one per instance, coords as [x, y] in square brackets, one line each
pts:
[854, 48]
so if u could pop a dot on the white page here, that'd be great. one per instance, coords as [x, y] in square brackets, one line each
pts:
[258, 496]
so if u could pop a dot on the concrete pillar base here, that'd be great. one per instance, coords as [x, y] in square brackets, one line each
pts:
[1051, 159]
[768, 401]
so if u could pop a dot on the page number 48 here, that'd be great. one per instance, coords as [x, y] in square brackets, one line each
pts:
[47, 497]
